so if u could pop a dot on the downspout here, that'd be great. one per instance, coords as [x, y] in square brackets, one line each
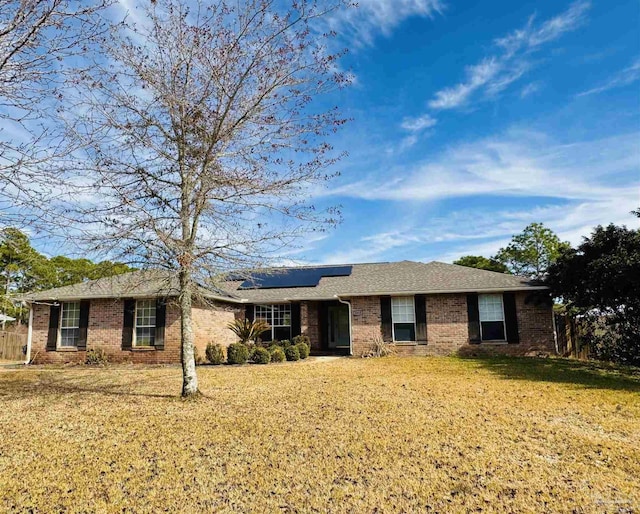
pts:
[29, 335]
[555, 330]
[348, 304]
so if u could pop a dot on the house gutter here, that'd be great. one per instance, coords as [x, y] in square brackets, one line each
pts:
[348, 304]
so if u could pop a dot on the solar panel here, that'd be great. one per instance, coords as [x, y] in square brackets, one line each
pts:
[294, 277]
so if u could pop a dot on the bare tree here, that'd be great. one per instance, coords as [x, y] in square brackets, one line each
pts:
[205, 142]
[37, 38]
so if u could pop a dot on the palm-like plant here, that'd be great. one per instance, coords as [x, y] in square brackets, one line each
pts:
[247, 330]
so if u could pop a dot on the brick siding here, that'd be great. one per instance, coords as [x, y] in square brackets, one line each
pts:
[309, 324]
[447, 328]
[105, 332]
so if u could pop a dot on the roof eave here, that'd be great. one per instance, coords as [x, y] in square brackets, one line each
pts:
[73, 298]
[394, 293]
[446, 291]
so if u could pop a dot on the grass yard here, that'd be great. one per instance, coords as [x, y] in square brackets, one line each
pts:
[350, 435]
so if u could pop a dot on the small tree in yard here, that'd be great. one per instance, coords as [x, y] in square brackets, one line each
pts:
[203, 140]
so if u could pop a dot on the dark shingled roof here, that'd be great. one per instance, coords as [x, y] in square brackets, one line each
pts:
[136, 284]
[405, 277]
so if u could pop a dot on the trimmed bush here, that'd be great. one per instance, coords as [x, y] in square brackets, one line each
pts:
[284, 344]
[260, 355]
[215, 354]
[302, 339]
[303, 350]
[277, 354]
[292, 353]
[237, 353]
[96, 357]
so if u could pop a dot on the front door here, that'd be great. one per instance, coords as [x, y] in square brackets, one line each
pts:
[338, 317]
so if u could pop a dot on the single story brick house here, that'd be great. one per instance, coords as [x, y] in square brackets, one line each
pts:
[423, 308]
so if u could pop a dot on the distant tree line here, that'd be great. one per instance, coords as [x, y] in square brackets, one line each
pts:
[23, 269]
[598, 282]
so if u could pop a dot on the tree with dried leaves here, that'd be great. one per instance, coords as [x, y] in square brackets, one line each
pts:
[37, 40]
[204, 139]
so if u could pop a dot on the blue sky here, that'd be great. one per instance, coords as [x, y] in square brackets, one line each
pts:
[473, 119]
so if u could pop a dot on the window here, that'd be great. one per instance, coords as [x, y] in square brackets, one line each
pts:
[145, 327]
[403, 315]
[278, 316]
[69, 324]
[491, 317]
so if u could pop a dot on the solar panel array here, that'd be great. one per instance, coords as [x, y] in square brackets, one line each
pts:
[295, 277]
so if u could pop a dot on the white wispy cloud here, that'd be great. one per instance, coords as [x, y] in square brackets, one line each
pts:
[623, 78]
[531, 36]
[418, 124]
[577, 185]
[530, 89]
[495, 73]
[371, 18]
[517, 163]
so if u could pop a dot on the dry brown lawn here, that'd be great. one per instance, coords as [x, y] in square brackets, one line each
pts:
[351, 435]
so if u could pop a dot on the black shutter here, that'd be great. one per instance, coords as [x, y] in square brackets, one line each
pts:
[127, 324]
[248, 312]
[54, 321]
[84, 325]
[161, 320]
[295, 319]
[420, 302]
[385, 318]
[511, 317]
[474, 318]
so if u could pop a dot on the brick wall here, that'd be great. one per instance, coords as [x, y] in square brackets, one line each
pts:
[365, 322]
[447, 323]
[535, 328]
[210, 325]
[105, 332]
[447, 328]
[309, 319]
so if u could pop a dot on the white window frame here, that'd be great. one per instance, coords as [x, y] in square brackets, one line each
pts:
[504, 324]
[271, 310]
[61, 328]
[413, 315]
[136, 326]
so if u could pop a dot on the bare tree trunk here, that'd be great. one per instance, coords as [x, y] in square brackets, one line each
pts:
[189, 376]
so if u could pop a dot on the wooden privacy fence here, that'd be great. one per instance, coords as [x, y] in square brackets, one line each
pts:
[569, 341]
[12, 345]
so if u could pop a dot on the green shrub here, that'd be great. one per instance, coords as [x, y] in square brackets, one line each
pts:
[284, 343]
[215, 354]
[237, 353]
[260, 355]
[248, 331]
[197, 357]
[292, 353]
[96, 357]
[303, 350]
[302, 339]
[277, 353]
